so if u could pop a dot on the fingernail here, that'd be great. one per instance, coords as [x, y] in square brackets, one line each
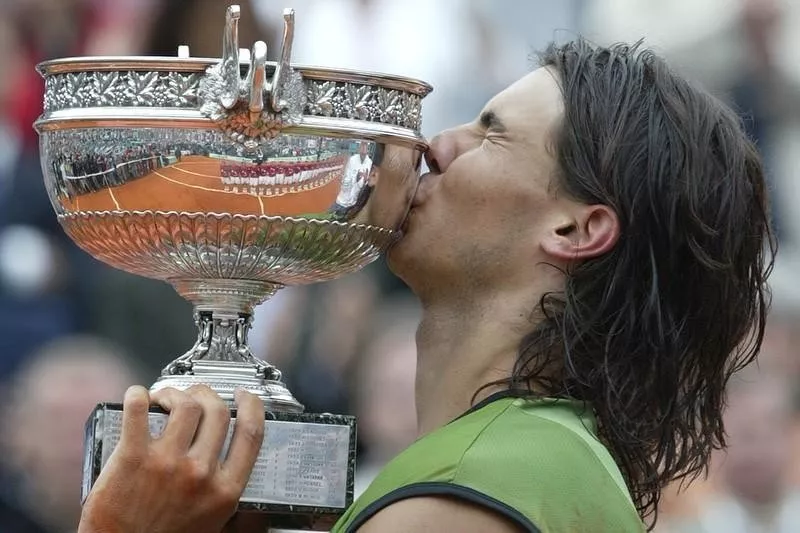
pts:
[135, 391]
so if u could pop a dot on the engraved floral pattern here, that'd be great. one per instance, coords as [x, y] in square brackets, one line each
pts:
[358, 98]
[142, 88]
[365, 102]
[321, 98]
[180, 90]
[170, 245]
[107, 87]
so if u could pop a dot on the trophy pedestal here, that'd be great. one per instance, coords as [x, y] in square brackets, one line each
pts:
[303, 478]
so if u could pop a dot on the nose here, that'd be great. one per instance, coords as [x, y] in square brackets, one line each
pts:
[444, 148]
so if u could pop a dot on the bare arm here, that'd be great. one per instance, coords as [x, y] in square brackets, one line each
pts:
[435, 513]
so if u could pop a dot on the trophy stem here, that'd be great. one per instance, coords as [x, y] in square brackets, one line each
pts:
[225, 297]
[221, 357]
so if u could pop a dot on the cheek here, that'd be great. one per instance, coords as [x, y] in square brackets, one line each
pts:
[483, 191]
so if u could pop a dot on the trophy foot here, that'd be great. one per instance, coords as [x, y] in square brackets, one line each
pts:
[224, 377]
[221, 358]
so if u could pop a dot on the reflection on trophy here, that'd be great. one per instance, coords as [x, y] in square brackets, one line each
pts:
[231, 179]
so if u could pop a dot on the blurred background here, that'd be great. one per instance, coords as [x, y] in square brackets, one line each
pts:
[73, 331]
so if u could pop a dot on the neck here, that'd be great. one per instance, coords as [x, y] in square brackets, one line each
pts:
[463, 346]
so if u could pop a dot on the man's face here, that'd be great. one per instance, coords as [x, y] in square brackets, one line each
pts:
[479, 217]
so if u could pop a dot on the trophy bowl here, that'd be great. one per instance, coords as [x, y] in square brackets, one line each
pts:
[229, 179]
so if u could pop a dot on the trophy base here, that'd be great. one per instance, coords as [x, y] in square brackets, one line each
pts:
[224, 377]
[303, 478]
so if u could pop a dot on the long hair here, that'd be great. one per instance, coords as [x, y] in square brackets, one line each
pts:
[650, 333]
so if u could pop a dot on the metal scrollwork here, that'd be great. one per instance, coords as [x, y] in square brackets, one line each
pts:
[364, 102]
[249, 109]
[121, 89]
[179, 90]
[254, 109]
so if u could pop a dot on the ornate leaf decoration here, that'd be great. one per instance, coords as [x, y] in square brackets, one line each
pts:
[142, 87]
[321, 98]
[105, 88]
[181, 89]
[358, 97]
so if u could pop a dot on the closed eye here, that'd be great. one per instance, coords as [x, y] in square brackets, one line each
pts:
[491, 123]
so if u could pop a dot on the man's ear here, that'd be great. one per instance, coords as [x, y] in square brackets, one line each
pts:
[588, 231]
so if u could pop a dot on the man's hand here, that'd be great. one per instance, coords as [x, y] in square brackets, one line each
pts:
[176, 483]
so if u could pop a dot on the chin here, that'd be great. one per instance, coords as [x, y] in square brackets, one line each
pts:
[404, 256]
[412, 258]
[396, 254]
[412, 261]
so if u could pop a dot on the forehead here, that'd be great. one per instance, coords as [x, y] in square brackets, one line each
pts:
[531, 107]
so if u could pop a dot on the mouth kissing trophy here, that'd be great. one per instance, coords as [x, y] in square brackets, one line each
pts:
[231, 178]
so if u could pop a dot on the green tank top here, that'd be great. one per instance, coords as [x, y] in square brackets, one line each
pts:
[537, 462]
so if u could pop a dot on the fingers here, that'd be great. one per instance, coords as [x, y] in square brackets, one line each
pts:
[135, 433]
[213, 430]
[184, 417]
[248, 434]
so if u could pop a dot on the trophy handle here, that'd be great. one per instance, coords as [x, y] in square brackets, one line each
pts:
[229, 66]
[284, 63]
[230, 89]
[256, 81]
[255, 108]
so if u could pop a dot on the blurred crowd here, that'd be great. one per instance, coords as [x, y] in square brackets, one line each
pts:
[74, 332]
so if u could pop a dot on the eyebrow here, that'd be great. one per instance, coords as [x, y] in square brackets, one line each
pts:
[490, 121]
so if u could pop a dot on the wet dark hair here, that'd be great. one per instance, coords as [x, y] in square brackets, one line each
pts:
[649, 333]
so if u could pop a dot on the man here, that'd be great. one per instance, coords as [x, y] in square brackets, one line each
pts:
[353, 179]
[591, 257]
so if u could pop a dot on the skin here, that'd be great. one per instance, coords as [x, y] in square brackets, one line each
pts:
[176, 483]
[487, 228]
[483, 238]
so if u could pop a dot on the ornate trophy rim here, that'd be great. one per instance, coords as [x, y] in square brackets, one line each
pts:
[200, 64]
[98, 92]
[195, 93]
[132, 117]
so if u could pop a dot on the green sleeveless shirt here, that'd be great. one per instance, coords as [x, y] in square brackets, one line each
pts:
[537, 462]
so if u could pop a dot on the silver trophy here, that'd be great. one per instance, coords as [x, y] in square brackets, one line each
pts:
[229, 179]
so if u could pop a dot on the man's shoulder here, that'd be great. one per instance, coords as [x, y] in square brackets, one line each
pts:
[509, 439]
[528, 462]
[543, 459]
[552, 441]
[432, 513]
